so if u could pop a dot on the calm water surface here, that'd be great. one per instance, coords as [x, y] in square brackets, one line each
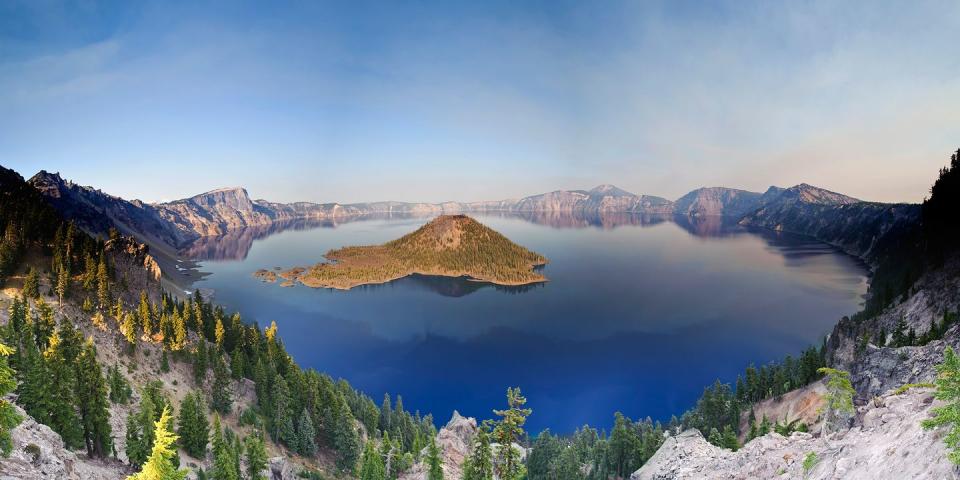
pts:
[638, 316]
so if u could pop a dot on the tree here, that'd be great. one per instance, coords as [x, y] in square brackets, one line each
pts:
[948, 390]
[58, 358]
[224, 467]
[282, 416]
[371, 464]
[839, 398]
[568, 465]
[306, 444]
[8, 415]
[92, 403]
[434, 463]
[129, 329]
[220, 396]
[479, 466]
[193, 426]
[103, 283]
[141, 432]
[31, 284]
[256, 455]
[143, 314]
[508, 430]
[120, 391]
[160, 466]
[63, 284]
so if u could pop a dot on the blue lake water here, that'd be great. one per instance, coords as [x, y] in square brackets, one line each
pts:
[639, 314]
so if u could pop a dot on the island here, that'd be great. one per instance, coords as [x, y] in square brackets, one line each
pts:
[449, 245]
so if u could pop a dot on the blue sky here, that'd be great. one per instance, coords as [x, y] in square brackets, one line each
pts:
[432, 101]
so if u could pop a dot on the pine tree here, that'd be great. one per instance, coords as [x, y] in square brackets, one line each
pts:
[283, 430]
[141, 432]
[120, 391]
[8, 415]
[508, 430]
[224, 467]
[256, 456]
[31, 284]
[948, 390]
[164, 361]
[434, 463]
[371, 464]
[93, 404]
[103, 284]
[63, 416]
[160, 466]
[306, 435]
[221, 400]
[63, 284]
[143, 312]
[839, 398]
[129, 329]
[193, 427]
[200, 363]
[179, 340]
[480, 463]
[219, 333]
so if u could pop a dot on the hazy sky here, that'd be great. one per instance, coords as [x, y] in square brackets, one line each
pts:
[431, 101]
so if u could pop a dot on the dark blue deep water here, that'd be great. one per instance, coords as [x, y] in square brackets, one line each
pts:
[638, 316]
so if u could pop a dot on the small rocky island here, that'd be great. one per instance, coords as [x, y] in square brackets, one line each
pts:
[449, 245]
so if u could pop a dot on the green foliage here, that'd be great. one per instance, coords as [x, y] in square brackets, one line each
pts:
[159, 465]
[256, 454]
[371, 464]
[809, 462]
[31, 284]
[221, 396]
[449, 245]
[839, 398]
[434, 462]
[907, 386]
[507, 431]
[120, 391]
[948, 390]
[479, 465]
[92, 403]
[225, 464]
[306, 435]
[8, 415]
[193, 426]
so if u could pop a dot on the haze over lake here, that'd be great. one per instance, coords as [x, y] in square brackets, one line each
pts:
[639, 313]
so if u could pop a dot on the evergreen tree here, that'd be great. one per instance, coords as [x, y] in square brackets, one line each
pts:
[508, 430]
[221, 400]
[224, 467]
[283, 430]
[839, 398]
[8, 415]
[120, 391]
[434, 463]
[306, 435]
[63, 416]
[141, 432]
[63, 284]
[93, 404]
[31, 284]
[144, 317]
[160, 464]
[103, 284]
[479, 466]
[371, 464]
[192, 425]
[129, 329]
[948, 390]
[256, 456]
[164, 361]
[200, 363]
[568, 465]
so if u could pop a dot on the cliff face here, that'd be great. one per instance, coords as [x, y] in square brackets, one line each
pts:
[717, 201]
[886, 441]
[858, 228]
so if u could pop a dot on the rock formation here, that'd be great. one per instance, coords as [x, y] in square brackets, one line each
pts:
[455, 441]
[885, 442]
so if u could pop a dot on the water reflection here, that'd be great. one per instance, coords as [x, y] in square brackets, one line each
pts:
[236, 244]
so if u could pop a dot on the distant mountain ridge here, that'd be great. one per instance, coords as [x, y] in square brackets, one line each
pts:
[845, 221]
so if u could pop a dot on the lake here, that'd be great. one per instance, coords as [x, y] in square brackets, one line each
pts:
[639, 313]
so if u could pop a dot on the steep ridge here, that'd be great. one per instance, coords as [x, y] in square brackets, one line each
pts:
[717, 201]
[862, 229]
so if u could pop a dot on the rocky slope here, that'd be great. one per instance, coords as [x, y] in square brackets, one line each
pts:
[886, 441]
[455, 441]
[858, 228]
[717, 201]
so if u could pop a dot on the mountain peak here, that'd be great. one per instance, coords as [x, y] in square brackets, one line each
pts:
[807, 193]
[610, 190]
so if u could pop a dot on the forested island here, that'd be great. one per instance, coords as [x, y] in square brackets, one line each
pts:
[449, 245]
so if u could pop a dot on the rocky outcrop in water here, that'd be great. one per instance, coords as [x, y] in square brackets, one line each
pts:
[886, 441]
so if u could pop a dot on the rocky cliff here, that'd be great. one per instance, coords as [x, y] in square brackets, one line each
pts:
[886, 441]
[717, 201]
[455, 441]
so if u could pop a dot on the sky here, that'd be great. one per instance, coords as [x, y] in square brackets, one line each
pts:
[434, 101]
